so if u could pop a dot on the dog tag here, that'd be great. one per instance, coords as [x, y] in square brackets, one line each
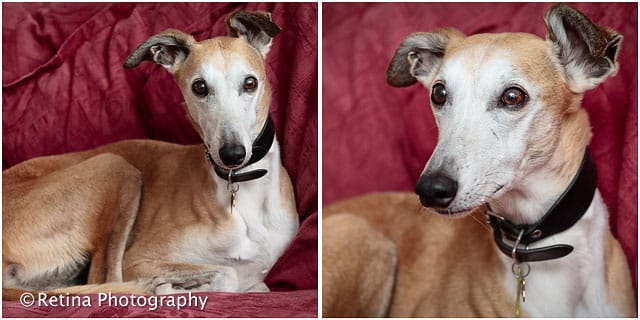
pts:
[233, 203]
[519, 289]
[521, 292]
[232, 188]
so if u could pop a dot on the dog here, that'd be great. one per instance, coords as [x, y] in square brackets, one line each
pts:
[511, 157]
[151, 217]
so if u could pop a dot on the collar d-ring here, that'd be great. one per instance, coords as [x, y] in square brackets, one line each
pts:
[514, 255]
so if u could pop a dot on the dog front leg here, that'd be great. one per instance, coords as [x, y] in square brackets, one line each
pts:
[122, 201]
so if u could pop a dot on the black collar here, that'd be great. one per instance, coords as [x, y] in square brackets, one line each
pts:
[261, 146]
[567, 210]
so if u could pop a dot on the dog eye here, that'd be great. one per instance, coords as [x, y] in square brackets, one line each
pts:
[250, 84]
[439, 94]
[199, 88]
[513, 97]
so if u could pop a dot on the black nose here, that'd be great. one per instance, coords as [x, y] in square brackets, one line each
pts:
[436, 191]
[232, 155]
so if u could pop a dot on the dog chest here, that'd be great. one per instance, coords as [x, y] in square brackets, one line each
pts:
[249, 237]
[248, 240]
[259, 225]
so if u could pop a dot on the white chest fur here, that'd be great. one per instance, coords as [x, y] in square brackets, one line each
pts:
[575, 285]
[255, 234]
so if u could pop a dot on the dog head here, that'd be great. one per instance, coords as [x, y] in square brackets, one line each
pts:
[223, 81]
[500, 101]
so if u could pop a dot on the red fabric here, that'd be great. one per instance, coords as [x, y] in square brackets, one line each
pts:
[381, 136]
[64, 89]
[281, 304]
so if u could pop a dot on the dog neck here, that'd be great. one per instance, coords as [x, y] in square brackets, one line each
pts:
[551, 199]
[538, 190]
[568, 209]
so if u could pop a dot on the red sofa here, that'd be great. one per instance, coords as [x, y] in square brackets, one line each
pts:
[64, 89]
[381, 136]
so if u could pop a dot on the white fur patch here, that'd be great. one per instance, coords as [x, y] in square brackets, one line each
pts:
[481, 144]
[227, 114]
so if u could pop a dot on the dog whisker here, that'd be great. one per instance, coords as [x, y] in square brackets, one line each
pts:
[495, 172]
[483, 224]
[486, 183]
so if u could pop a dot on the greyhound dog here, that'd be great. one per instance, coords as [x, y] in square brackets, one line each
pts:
[511, 153]
[162, 217]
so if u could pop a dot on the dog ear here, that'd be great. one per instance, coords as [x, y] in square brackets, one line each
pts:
[587, 52]
[419, 56]
[169, 49]
[255, 27]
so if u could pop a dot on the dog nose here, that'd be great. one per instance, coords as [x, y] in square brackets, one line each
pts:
[232, 154]
[436, 191]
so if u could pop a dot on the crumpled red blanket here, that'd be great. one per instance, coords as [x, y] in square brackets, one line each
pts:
[382, 136]
[64, 89]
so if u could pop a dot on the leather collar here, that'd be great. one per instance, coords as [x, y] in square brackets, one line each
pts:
[261, 146]
[564, 213]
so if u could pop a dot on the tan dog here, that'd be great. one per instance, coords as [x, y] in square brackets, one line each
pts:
[165, 217]
[511, 159]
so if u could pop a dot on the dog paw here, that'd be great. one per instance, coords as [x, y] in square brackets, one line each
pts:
[224, 279]
[259, 287]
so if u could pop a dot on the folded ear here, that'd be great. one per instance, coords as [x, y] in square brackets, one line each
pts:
[169, 49]
[588, 52]
[419, 56]
[255, 27]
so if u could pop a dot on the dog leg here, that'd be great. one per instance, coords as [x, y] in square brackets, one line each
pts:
[75, 206]
[118, 218]
[358, 268]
